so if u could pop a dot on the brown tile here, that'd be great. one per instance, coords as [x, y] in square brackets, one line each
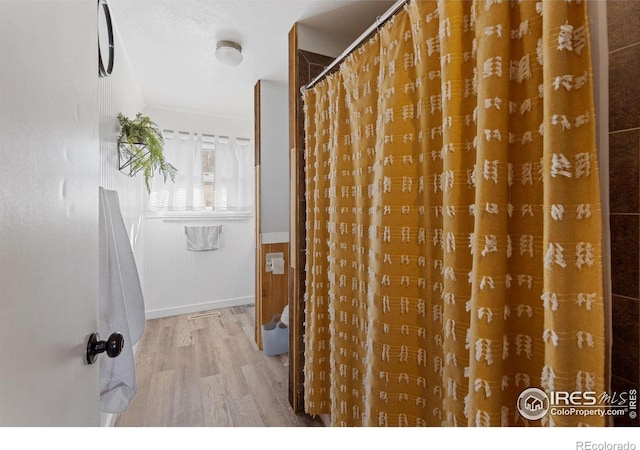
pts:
[624, 148]
[625, 352]
[316, 58]
[302, 246]
[303, 76]
[311, 65]
[624, 255]
[624, 89]
[623, 23]
[302, 186]
[621, 385]
[291, 390]
[315, 70]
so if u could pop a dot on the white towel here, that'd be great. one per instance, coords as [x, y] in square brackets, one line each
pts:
[203, 238]
[121, 306]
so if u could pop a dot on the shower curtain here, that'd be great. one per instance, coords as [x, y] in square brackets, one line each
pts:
[453, 219]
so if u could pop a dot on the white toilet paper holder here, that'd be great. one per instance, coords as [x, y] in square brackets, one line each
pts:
[270, 257]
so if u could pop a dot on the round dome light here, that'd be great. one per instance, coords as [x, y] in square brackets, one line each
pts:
[229, 53]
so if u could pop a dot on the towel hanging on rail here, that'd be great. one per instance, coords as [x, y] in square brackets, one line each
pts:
[121, 305]
[203, 238]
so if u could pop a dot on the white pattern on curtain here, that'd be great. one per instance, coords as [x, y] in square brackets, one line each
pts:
[233, 175]
[184, 151]
[453, 232]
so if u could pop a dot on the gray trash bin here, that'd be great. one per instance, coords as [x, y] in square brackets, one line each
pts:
[275, 337]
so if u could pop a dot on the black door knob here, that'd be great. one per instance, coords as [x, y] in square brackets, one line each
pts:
[113, 346]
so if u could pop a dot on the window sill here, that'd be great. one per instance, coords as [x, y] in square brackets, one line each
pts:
[198, 215]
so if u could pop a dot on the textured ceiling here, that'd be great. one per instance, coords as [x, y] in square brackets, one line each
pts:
[171, 43]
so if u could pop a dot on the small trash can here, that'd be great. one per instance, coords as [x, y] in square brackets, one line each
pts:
[275, 337]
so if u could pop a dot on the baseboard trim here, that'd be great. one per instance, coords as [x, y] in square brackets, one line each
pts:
[200, 307]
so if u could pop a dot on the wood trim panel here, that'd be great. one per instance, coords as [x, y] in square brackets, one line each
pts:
[257, 124]
[294, 88]
[257, 197]
[275, 288]
[303, 67]
[258, 269]
[295, 333]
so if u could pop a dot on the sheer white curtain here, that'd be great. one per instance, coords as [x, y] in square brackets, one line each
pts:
[233, 175]
[184, 151]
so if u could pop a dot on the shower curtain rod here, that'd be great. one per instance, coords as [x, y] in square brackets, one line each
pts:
[379, 21]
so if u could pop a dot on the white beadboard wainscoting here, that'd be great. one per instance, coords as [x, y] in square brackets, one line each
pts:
[178, 281]
[119, 93]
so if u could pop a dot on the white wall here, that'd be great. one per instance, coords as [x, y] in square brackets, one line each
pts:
[178, 281]
[200, 123]
[274, 138]
[119, 93]
[274, 162]
[320, 42]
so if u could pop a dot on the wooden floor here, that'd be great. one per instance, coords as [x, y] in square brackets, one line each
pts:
[208, 371]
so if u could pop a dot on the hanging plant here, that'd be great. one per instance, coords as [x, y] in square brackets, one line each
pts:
[140, 148]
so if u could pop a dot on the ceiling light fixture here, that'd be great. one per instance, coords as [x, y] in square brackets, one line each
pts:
[229, 53]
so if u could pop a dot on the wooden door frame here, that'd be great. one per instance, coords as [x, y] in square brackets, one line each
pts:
[303, 66]
[296, 332]
[257, 198]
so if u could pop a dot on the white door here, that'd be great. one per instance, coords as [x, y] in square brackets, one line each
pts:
[48, 212]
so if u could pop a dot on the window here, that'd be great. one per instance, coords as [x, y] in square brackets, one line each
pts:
[208, 173]
[215, 174]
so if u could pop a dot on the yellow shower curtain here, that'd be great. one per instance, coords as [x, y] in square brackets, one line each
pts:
[453, 219]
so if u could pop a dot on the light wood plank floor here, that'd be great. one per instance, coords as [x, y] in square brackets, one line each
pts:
[208, 371]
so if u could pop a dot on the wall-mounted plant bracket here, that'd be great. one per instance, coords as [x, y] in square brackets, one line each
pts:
[140, 149]
[131, 157]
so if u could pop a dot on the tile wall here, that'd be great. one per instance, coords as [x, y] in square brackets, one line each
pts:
[623, 27]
